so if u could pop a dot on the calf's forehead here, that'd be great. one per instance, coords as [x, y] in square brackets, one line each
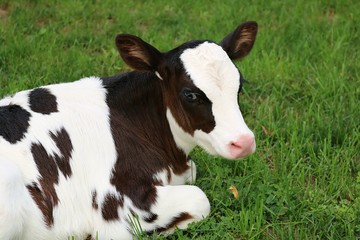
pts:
[211, 70]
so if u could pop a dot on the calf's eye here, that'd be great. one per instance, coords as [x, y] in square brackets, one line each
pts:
[190, 96]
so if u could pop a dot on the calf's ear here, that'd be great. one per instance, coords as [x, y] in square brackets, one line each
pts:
[138, 54]
[238, 43]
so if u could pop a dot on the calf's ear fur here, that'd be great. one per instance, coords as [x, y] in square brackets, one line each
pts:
[138, 54]
[238, 43]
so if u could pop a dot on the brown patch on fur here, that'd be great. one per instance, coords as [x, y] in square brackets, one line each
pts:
[142, 136]
[44, 202]
[48, 171]
[46, 198]
[110, 207]
[175, 221]
[63, 142]
[190, 116]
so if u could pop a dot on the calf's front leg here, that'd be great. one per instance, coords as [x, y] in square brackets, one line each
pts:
[187, 177]
[176, 207]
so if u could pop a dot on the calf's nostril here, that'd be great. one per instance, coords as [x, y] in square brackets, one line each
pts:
[235, 145]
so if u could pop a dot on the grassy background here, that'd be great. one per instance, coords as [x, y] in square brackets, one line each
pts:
[301, 99]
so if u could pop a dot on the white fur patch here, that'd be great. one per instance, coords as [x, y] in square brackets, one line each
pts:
[212, 71]
[84, 114]
[183, 140]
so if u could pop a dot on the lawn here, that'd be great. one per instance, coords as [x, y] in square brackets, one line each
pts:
[301, 99]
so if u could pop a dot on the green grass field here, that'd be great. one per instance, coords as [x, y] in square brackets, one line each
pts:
[301, 99]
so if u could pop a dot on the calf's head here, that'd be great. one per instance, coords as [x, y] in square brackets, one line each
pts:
[200, 86]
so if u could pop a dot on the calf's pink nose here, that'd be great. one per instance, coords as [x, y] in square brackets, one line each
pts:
[243, 146]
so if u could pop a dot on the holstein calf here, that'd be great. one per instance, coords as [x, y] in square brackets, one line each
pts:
[89, 157]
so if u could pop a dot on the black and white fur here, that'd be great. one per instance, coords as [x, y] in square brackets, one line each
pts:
[84, 158]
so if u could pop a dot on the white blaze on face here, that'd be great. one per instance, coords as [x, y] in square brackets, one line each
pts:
[212, 71]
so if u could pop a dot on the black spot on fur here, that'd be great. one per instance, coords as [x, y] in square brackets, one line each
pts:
[42, 101]
[14, 122]
[151, 218]
[110, 206]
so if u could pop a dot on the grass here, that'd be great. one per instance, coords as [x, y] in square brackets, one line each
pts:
[301, 99]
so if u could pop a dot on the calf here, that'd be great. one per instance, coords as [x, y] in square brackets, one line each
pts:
[92, 157]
